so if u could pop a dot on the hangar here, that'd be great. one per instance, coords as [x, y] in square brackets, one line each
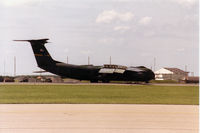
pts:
[170, 74]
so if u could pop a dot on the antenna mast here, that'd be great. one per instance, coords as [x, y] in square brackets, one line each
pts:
[14, 66]
[154, 64]
[67, 60]
[88, 60]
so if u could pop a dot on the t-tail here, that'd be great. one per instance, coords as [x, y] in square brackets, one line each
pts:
[42, 56]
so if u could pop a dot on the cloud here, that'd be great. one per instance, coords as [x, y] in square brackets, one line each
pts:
[186, 3]
[145, 20]
[112, 15]
[121, 28]
[11, 3]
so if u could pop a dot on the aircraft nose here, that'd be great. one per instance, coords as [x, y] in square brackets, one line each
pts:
[152, 75]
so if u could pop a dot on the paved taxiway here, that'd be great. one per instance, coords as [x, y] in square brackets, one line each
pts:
[98, 118]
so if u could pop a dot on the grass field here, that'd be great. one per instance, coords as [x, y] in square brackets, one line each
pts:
[101, 94]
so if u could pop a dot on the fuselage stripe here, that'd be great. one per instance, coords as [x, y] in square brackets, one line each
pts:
[41, 55]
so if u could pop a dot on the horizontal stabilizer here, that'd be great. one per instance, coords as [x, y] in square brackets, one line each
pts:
[39, 71]
[35, 40]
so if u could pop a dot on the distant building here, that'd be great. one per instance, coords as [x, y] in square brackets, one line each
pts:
[9, 79]
[171, 74]
[21, 79]
[56, 79]
[32, 80]
[1, 79]
[191, 79]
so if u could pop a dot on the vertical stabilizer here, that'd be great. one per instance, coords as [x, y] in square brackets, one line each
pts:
[42, 56]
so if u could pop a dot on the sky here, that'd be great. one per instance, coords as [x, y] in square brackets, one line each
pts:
[132, 32]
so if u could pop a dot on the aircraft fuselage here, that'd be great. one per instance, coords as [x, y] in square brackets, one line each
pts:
[105, 73]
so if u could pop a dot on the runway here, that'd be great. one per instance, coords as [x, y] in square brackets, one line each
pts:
[98, 118]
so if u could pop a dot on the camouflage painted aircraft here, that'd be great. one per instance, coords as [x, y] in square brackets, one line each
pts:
[105, 73]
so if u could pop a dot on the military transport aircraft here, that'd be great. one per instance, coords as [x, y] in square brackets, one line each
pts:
[105, 73]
